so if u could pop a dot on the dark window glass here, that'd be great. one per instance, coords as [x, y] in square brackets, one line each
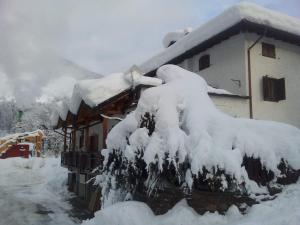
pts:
[273, 89]
[204, 62]
[268, 50]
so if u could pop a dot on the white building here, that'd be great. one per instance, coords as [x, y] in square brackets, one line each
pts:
[252, 52]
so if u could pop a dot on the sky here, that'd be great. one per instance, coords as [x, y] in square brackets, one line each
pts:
[41, 40]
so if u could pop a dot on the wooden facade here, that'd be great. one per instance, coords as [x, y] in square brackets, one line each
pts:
[85, 136]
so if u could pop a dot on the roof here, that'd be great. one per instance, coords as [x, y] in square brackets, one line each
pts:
[243, 16]
[95, 92]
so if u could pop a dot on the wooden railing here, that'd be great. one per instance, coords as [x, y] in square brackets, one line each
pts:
[83, 161]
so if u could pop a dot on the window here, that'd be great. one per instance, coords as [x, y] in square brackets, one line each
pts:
[268, 50]
[273, 89]
[204, 62]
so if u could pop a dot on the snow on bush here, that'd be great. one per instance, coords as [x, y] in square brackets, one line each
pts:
[177, 132]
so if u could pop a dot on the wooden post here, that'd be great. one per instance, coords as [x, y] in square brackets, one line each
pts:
[74, 139]
[87, 136]
[105, 131]
[65, 139]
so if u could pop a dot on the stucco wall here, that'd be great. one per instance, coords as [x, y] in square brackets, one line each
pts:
[285, 65]
[236, 107]
[228, 63]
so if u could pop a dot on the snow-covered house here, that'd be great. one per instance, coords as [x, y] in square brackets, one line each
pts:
[243, 54]
[248, 50]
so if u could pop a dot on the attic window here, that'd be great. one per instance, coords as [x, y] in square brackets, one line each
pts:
[268, 50]
[172, 42]
[273, 89]
[204, 62]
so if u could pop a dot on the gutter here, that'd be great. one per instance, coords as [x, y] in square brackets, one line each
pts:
[249, 73]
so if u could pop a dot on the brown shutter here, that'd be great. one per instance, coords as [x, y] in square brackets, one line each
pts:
[266, 88]
[280, 89]
[268, 50]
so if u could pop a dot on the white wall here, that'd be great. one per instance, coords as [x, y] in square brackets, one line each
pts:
[285, 65]
[228, 61]
[236, 107]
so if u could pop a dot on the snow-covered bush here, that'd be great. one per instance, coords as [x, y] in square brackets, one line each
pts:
[177, 136]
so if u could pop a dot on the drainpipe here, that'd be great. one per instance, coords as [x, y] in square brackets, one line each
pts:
[249, 73]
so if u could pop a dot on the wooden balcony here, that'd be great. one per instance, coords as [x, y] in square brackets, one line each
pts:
[81, 161]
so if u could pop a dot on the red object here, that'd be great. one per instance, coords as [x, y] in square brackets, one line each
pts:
[16, 151]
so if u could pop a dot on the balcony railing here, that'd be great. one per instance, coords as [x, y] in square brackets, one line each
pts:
[83, 161]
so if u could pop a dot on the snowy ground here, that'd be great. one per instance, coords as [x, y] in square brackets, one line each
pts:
[33, 191]
[284, 210]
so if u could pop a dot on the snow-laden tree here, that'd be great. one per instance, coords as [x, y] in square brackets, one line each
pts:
[177, 136]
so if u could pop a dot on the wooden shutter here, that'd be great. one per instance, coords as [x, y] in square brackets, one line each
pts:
[268, 50]
[280, 89]
[273, 89]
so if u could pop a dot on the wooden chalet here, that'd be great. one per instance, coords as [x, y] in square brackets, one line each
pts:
[85, 133]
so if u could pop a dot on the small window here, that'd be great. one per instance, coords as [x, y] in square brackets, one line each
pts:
[268, 50]
[274, 89]
[204, 62]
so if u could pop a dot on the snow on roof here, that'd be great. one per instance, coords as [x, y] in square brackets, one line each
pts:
[242, 11]
[175, 36]
[12, 138]
[95, 91]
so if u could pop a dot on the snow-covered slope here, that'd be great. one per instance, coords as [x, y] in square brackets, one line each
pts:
[242, 11]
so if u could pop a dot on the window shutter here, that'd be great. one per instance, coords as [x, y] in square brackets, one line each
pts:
[273, 89]
[267, 88]
[268, 50]
[280, 89]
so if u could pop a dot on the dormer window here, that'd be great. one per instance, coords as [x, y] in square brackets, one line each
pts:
[204, 62]
[268, 50]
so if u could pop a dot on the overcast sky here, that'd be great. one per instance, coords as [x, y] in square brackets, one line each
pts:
[104, 36]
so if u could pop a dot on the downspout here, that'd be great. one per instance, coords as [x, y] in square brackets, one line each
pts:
[249, 73]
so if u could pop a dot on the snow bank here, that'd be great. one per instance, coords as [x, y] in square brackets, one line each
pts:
[285, 209]
[188, 127]
[230, 17]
